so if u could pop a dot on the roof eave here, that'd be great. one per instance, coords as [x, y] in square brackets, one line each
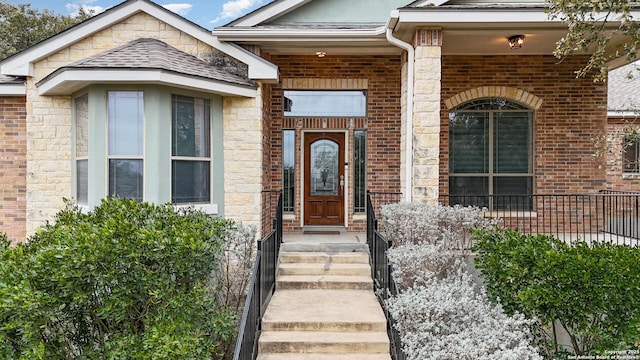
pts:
[66, 81]
[21, 64]
[280, 34]
[10, 89]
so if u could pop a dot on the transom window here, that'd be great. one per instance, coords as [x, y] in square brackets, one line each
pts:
[325, 103]
[490, 153]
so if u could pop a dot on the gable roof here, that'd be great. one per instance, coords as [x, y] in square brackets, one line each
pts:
[21, 64]
[267, 12]
[145, 61]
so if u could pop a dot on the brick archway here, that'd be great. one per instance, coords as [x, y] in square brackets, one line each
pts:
[510, 93]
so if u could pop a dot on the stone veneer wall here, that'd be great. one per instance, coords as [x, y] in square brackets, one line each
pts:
[13, 167]
[49, 120]
[243, 144]
[571, 111]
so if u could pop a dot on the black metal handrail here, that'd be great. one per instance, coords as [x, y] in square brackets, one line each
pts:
[261, 287]
[384, 284]
[607, 216]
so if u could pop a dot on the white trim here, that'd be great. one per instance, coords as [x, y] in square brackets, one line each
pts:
[71, 80]
[519, 17]
[278, 8]
[626, 113]
[13, 89]
[393, 20]
[22, 63]
[232, 34]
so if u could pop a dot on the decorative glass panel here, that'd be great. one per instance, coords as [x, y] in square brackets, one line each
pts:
[469, 143]
[81, 110]
[325, 103]
[511, 142]
[491, 104]
[288, 170]
[360, 170]
[82, 181]
[126, 114]
[125, 178]
[324, 168]
[191, 132]
[190, 182]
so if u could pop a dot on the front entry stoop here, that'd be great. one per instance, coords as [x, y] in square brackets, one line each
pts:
[324, 307]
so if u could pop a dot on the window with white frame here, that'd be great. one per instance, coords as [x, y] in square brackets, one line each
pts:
[190, 150]
[631, 155]
[491, 154]
[126, 143]
[81, 115]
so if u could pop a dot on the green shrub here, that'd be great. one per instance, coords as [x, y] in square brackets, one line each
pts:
[128, 280]
[593, 291]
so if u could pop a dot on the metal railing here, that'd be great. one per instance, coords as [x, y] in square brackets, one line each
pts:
[607, 216]
[380, 268]
[261, 286]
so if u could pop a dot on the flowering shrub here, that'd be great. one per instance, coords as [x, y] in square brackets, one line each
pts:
[448, 319]
[419, 223]
[441, 312]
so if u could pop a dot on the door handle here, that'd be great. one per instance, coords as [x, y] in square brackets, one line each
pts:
[341, 184]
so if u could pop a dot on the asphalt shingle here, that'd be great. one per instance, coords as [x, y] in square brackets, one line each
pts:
[623, 88]
[147, 53]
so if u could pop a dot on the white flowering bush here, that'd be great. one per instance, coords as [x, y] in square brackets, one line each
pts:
[409, 223]
[441, 312]
[448, 319]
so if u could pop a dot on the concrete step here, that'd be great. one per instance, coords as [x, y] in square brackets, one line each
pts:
[336, 282]
[325, 247]
[288, 257]
[323, 342]
[324, 310]
[324, 269]
[324, 357]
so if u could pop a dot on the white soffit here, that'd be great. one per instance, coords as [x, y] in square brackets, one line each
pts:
[71, 80]
[21, 63]
[12, 89]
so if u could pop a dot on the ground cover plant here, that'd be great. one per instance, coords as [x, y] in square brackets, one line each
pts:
[127, 280]
[590, 292]
[442, 312]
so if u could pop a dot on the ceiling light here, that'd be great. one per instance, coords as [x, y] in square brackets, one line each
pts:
[516, 41]
[321, 53]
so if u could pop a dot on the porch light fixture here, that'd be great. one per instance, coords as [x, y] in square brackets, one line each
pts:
[321, 54]
[515, 41]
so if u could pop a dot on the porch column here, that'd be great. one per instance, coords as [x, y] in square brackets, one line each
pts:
[426, 116]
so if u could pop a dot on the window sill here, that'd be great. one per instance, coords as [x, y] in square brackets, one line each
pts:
[510, 214]
[359, 216]
[210, 209]
[631, 176]
[288, 216]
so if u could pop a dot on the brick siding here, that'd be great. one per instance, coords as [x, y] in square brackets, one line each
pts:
[382, 77]
[571, 113]
[13, 167]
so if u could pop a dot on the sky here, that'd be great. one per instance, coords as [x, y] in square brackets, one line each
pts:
[206, 13]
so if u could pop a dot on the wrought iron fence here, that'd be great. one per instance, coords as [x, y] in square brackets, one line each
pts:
[261, 286]
[607, 216]
[380, 268]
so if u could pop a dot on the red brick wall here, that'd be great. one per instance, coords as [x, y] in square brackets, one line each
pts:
[572, 112]
[13, 167]
[382, 123]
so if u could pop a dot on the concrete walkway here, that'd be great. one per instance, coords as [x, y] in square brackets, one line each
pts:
[324, 307]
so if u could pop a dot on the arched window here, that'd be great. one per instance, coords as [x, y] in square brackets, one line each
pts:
[490, 153]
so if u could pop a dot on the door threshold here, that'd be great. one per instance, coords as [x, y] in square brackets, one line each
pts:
[323, 230]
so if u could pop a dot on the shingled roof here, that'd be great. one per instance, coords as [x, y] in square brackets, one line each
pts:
[5, 79]
[624, 89]
[153, 54]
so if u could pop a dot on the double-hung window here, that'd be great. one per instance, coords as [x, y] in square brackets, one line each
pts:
[190, 150]
[126, 144]
[491, 154]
